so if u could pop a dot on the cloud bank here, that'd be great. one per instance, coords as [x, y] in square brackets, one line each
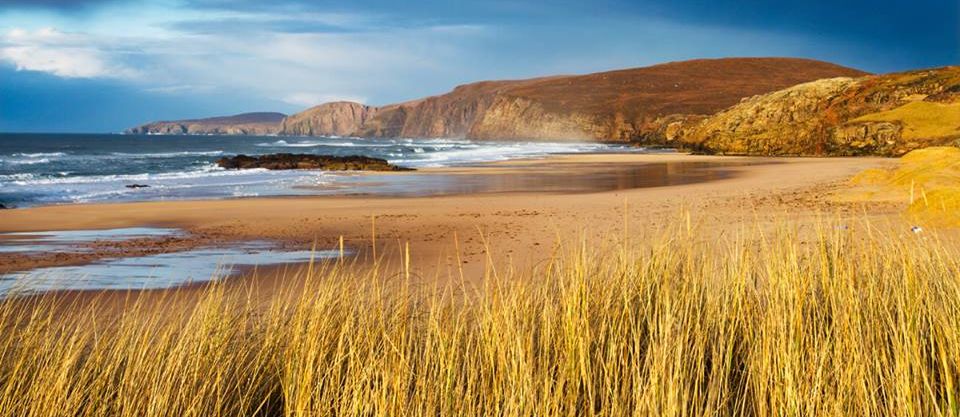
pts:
[61, 54]
[285, 55]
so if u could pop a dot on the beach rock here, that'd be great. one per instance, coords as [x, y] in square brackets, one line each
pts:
[282, 161]
[137, 186]
[3, 207]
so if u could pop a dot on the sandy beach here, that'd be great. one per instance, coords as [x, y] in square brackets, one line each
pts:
[520, 227]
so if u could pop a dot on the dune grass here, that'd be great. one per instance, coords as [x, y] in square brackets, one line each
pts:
[927, 179]
[849, 322]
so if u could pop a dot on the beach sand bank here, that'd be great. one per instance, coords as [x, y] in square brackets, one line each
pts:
[518, 226]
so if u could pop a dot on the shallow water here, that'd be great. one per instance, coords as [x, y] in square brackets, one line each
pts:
[155, 271]
[547, 178]
[74, 240]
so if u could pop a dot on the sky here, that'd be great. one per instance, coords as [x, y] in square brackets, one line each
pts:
[105, 65]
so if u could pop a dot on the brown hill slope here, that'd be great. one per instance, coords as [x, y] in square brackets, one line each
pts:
[888, 114]
[623, 105]
[260, 123]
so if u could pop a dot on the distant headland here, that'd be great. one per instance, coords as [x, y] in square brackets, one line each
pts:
[750, 106]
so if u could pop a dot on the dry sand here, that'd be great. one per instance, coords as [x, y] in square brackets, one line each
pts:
[519, 227]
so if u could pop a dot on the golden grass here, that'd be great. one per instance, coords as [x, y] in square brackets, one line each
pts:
[921, 119]
[849, 323]
[927, 180]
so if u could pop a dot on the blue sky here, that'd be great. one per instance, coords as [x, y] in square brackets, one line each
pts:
[103, 65]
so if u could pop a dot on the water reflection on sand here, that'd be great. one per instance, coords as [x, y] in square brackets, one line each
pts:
[553, 178]
[137, 272]
[74, 240]
[155, 271]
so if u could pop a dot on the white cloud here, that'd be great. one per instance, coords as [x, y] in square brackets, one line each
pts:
[304, 69]
[273, 56]
[62, 62]
[61, 54]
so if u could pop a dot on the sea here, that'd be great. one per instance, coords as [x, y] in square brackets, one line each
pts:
[44, 169]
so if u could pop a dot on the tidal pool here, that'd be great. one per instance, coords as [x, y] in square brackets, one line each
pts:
[155, 271]
[73, 240]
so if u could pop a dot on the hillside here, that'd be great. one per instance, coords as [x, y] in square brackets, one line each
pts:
[888, 114]
[624, 105]
[643, 105]
[261, 123]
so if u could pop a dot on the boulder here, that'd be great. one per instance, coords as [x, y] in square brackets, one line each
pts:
[282, 161]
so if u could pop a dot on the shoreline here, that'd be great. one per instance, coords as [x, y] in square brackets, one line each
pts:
[520, 226]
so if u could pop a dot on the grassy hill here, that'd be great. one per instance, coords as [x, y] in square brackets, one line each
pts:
[888, 114]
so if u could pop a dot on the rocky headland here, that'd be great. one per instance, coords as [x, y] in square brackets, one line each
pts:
[340, 118]
[261, 123]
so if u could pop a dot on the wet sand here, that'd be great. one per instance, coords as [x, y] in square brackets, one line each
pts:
[518, 224]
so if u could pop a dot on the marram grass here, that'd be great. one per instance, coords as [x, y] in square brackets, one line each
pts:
[847, 323]
[927, 180]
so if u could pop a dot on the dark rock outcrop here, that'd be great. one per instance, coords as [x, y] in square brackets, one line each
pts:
[282, 161]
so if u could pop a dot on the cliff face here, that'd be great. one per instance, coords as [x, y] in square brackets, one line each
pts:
[340, 118]
[523, 118]
[650, 105]
[625, 105]
[241, 124]
[450, 115]
[876, 115]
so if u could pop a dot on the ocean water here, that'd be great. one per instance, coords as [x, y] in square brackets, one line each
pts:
[40, 169]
